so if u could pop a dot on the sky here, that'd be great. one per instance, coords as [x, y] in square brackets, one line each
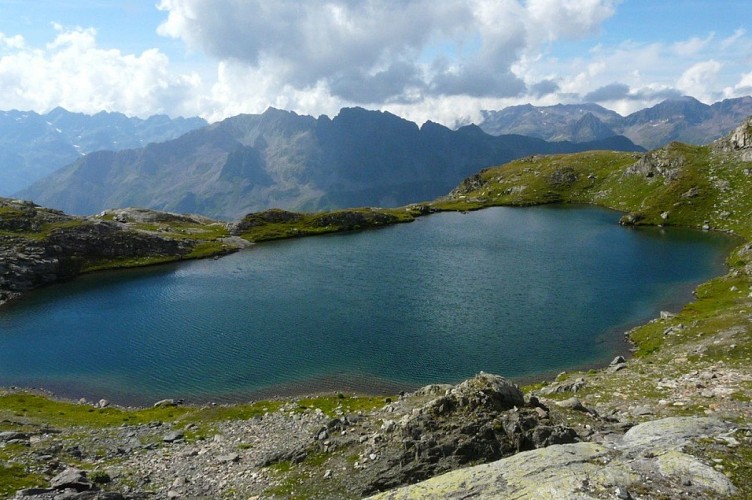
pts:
[438, 60]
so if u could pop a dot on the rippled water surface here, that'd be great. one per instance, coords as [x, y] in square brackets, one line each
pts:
[519, 292]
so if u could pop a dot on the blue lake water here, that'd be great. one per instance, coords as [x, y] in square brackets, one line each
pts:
[518, 292]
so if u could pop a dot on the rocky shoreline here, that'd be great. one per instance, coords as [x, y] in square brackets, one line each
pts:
[299, 448]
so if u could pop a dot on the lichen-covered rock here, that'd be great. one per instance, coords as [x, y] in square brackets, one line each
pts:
[479, 420]
[72, 479]
[738, 141]
[664, 163]
[649, 455]
[671, 433]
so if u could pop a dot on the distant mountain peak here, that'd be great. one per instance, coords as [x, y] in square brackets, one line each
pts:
[682, 118]
[33, 145]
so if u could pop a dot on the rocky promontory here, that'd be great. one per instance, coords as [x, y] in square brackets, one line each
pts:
[39, 246]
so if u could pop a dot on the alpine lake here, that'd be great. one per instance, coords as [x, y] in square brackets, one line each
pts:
[521, 292]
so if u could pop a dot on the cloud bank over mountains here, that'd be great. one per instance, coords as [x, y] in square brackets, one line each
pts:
[422, 59]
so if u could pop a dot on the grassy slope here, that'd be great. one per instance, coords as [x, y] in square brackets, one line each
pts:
[598, 177]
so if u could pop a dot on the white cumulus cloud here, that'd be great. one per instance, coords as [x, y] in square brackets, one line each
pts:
[73, 72]
[700, 80]
[381, 52]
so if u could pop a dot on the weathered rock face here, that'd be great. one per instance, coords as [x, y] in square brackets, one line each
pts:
[31, 257]
[738, 141]
[348, 220]
[468, 185]
[107, 240]
[343, 220]
[661, 163]
[649, 453]
[479, 420]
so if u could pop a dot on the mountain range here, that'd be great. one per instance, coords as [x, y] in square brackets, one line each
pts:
[280, 159]
[34, 145]
[84, 164]
[683, 119]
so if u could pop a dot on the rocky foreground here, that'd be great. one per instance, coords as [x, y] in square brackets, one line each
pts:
[545, 446]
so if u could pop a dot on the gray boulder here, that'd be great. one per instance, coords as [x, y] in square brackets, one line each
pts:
[72, 479]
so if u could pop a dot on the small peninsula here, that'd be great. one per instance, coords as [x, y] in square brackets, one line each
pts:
[673, 420]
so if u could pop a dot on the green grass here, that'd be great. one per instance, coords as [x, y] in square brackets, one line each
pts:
[32, 409]
[14, 477]
[128, 262]
[258, 227]
[36, 409]
[331, 405]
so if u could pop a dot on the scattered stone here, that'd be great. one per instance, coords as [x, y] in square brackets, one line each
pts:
[575, 404]
[388, 426]
[72, 479]
[622, 493]
[230, 457]
[643, 410]
[617, 360]
[165, 402]
[13, 436]
[560, 387]
[173, 436]
[103, 403]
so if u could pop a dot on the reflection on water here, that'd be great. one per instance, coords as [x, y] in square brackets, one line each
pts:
[517, 292]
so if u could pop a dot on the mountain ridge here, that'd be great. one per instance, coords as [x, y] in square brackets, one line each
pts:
[683, 119]
[33, 145]
[280, 159]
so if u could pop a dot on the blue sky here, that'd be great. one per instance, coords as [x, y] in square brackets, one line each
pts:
[443, 61]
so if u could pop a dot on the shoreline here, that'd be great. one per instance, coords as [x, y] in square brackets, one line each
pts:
[616, 337]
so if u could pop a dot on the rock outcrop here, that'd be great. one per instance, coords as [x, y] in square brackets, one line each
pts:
[40, 246]
[664, 164]
[648, 458]
[739, 141]
[479, 420]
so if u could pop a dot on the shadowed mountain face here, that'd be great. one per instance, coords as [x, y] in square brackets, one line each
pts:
[683, 119]
[280, 159]
[33, 145]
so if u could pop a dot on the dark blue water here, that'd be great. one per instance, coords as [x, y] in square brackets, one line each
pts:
[518, 292]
